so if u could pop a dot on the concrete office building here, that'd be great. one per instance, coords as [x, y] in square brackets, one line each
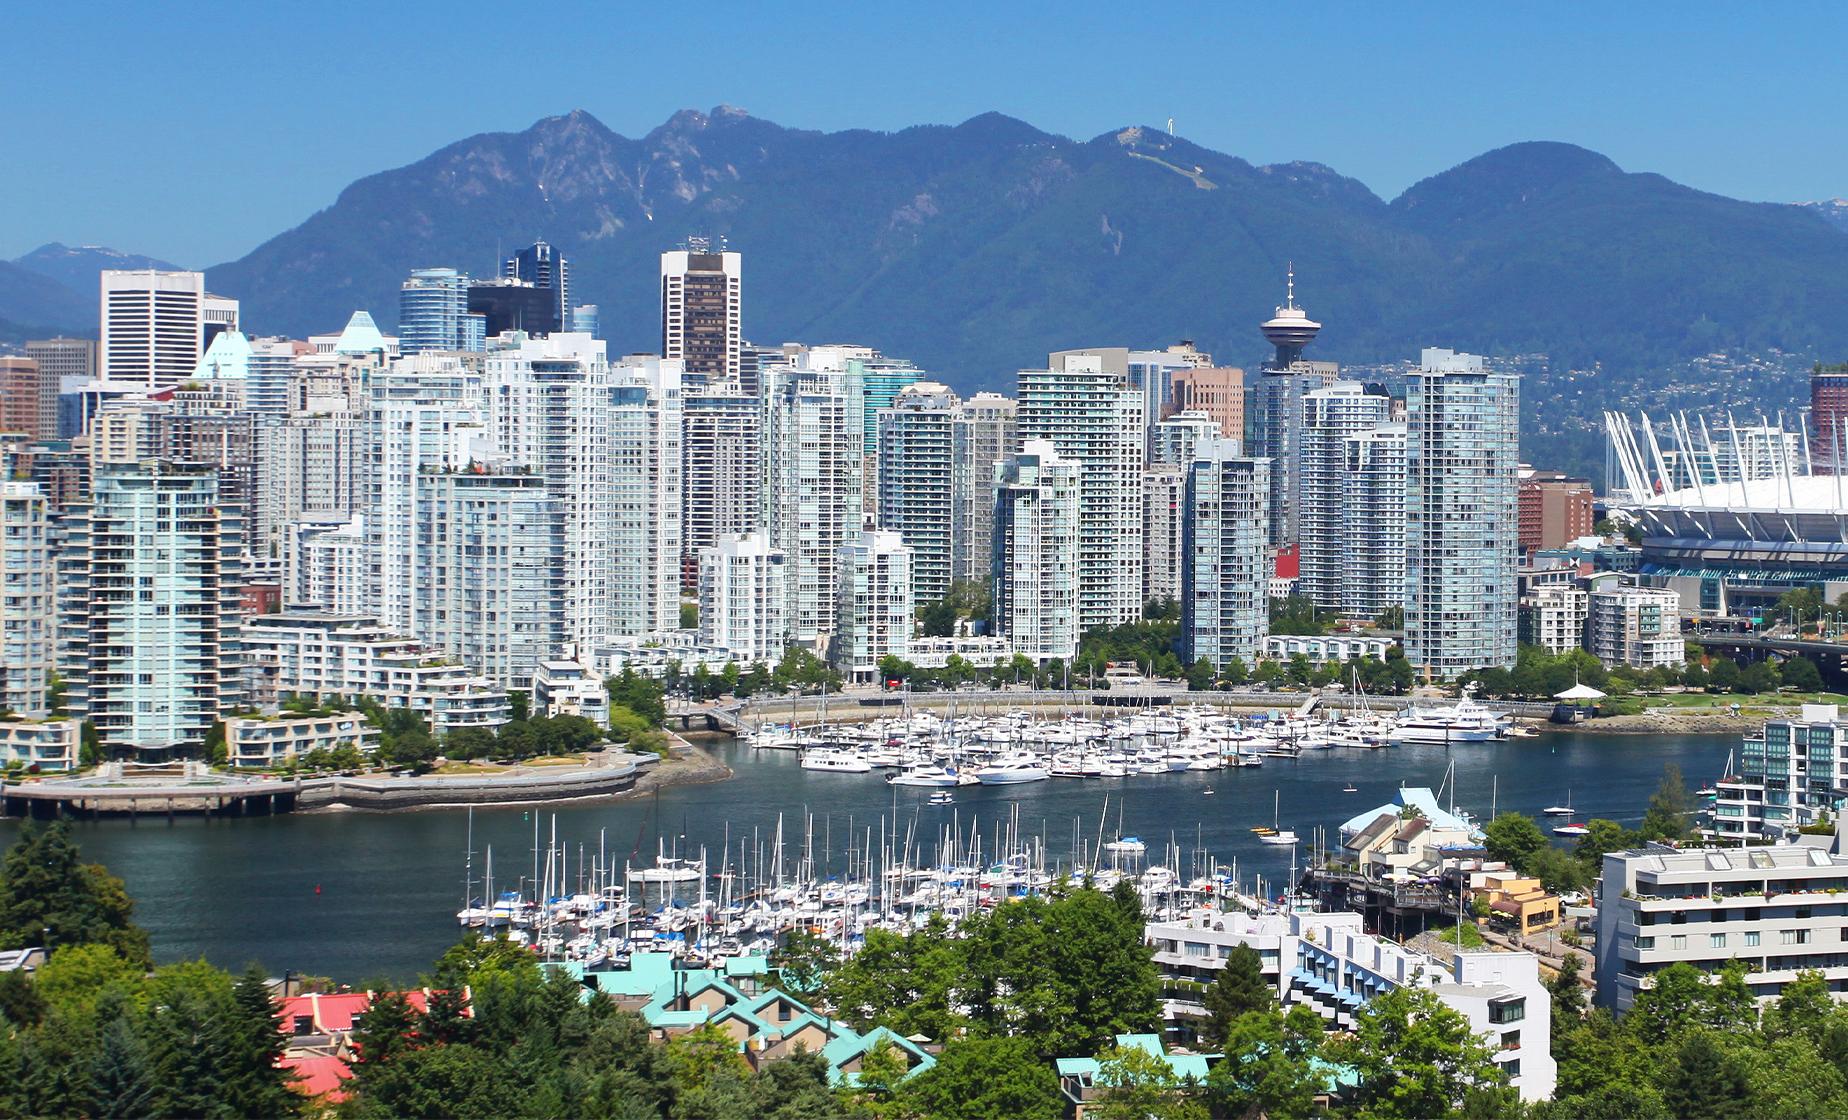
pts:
[702, 320]
[1035, 571]
[721, 455]
[1330, 416]
[874, 606]
[433, 313]
[916, 469]
[28, 399]
[1462, 542]
[156, 325]
[812, 494]
[72, 364]
[985, 432]
[1218, 391]
[1554, 510]
[1092, 417]
[1373, 522]
[28, 610]
[150, 576]
[743, 596]
[1225, 574]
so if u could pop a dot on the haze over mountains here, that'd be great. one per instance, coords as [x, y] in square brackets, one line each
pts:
[974, 249]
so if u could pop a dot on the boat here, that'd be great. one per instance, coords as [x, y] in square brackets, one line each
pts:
[1350, 788]
[1463, 722]
[1560, 810]
[1012, 768]
[1128, 845]
[942, 797]
[835, 761]
[1276, 834]
[1571, 830]
[927, 774]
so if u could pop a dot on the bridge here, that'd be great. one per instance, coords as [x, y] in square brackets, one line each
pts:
[1827, 654]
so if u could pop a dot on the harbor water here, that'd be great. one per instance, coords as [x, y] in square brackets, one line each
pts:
[363, 896]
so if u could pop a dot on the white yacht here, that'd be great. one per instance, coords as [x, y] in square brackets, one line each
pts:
[927, 774]
[1012, 768]
[1464, 722]
[835, 761]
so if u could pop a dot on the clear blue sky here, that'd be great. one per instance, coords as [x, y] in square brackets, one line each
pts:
[195, 131]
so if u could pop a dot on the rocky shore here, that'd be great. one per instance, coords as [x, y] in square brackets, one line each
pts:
[1682, 721]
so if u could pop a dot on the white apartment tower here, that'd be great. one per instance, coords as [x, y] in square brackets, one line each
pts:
[1225, 574]
[1636, 626]
[874, 605]
[986, 432]
[812, 486]
[1164, 501]
[1035, 570]
[1330, 416]
[28, 615]
[1372, 533]
[645, 464]
[721, 453]
[702, 322]
[1171, 441]
[1461, 523]
[743, 595]
[916, 481]
[156, 325]
[1095, 419]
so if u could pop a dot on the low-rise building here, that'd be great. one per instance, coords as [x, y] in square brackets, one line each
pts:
[1786, 776]
[48, 744]
[1394, 860]
[1323, 649]
[1553, 615]
[1517, 901]
[982, 651]
[260, 741]
[1781, 910]
[1635, 626]
[569, 688]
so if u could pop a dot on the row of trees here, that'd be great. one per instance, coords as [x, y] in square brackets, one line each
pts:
[1521, 842]
[1392, 677]
[1539, 675]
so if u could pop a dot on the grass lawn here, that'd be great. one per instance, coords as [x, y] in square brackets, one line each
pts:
[468, 769]
[557, 760]
[1726, 699]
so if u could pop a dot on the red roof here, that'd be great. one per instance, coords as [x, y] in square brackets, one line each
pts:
[331, 1012]
[319, 1076]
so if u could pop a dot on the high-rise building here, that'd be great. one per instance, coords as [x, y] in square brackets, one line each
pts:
[813, 485]
[1035, 571]
[1094, 418]
[585, 320]
[488, 571]
[1639, 627]
[156, 325]
[542, 266]
[1276, 419]
[1373, 522]
[743, 595]
[916, 490]
[645, 461]
[71, 363]
[1164, 501]
[1828, 417]
[326, 566]
[150, 575]
[1330, 416]
[433, 313]
[507, 304]
[1554, 510]
[1462, 542]
[702, 317]
[721, 452]
[1156, 372]
[986, 432]
[28, 614]
[1218, 391]
[882, 380]
[1225, 569]
[28, 399]
[873, 605]
[1172, 440]
[269, 377]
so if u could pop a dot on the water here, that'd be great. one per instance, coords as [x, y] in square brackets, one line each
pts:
[364, 896]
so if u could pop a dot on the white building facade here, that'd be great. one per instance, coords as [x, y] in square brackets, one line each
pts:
[1636, 626]
[875, 606]
[812, 490]
[1035, 574]
[744, 597]
[1226, 569]
[1326, 489]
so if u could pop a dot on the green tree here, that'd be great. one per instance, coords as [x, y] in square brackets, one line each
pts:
[1725, 675]
[1801, 674]
[1804, 1009]
[804, 960]
[1514, 838]
[1556, 870]
[1759, 677]
[253, 1082]
[1134, 1084]
[121, 1078]
[1671, 808]
[1416, 1057]
[1236, 673]
[1268, 1068]
[639, 694]
[1703, 1081]
[938, 619]
[1568, 993]
[689, 616]
[1200, 675]
[1392, 618]
[1237, 991]
[49, 895]
[984, 1079]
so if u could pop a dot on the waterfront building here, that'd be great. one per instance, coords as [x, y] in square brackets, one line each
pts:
[1164, 502]
[1330, 417]
[28, 399]
[1226, 565]
[1171, 441]
[721, 450]
[812, 494]
[156, 325]
[488, 572]
[1325, 649]
[1553, 510]
[1553, 614]
[150, 572]
[542, 266]
[433, 313]
[1217, 391]
[1779, 909]
[1093, 418]
[702, 319]
[1035, 571]
[45, 746]
[874, 606]
[28, 609]
[1329, 964]
[984, 432]
[265, 741]
[1787, 776]
[744, 597]
[1635, 626]
[1276, 417]
[1462, 542]
[981, 650]
[916, 469]
[321, 655]
[1373, 521]
[645, 463]
[569, 688]
[656, 656]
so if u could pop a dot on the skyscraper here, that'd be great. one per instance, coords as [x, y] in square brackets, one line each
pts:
[1462, 543]
[543, 266]
[1218, 391]
[743, 595]
[1828, 417]
[873, 603]
[433, 313]
[813, 485]
[1373, 522]
[645, 456]
[882, 379]
[702, 320]
[721, 453]
[986, 432]
[1164, 502]
[1330, 416]
[1276, 420]
[1225, 573]
[1094, 418]
[71, 363]
[509, 304]
[28, 399]
[1035, 571]
[28, 618]
[1172, 440]
[916, 468]
[156, 325]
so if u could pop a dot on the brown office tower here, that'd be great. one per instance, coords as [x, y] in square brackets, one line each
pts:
[701, 320]
[1829, 418]
[28, 399]
[1218, 391]
[1553, 510]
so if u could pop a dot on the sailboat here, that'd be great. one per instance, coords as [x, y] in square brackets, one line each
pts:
[1276, 834]
[1560, 810]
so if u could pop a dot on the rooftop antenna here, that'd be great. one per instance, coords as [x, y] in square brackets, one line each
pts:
[1289, 297]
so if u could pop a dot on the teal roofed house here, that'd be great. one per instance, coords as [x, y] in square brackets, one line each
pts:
[1079, 1077]
[741, 999]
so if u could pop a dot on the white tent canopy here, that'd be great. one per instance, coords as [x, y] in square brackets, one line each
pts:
[1579, 692]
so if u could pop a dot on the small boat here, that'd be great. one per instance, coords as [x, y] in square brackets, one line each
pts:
[1350, 788]
[942, 797]
[1560, 810]
[1276, 834]
[1208, 791]
[835, 761]
[1571, 830]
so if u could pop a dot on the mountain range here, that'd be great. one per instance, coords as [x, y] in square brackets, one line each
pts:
[976, 248]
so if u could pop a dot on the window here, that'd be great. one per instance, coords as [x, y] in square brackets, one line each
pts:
[1508, 1011]
[1679, 941]
[1649, 942]
[1751, 940]
[1716, 940]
